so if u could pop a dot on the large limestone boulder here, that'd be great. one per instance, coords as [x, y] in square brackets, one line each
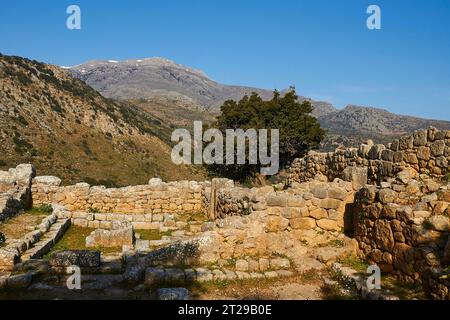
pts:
[406, 175]
[403, 256]
[80, 258]
[376, 151]
[384, 237]
[22, 174]
[365, 148]
[121, 234]
[440, 223]
[357, 176]
[420, 138]
[48, 180]
[157, 184]
[8, 258]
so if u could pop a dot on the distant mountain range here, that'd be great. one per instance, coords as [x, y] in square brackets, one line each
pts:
[151, 78]
[157, 77]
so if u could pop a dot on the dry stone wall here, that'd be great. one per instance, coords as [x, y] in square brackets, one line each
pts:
[309, 205]
[155, 198]
[427, 151]
[403, 226]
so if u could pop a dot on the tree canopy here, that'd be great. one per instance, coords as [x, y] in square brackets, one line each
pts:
[299, 131]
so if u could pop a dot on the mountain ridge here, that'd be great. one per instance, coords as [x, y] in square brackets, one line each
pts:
[156, 77]
[151, 77]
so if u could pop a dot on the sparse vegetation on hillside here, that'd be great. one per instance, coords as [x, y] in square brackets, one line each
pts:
[66, 128]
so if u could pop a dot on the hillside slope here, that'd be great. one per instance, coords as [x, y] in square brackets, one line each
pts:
[66, 128]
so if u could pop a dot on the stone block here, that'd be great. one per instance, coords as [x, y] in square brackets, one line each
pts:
[318, 213]
[154, 276]
[242, 265]
[328, 224]
[264, 264]
[356, 175]
[276, 200]
[303, 223]
[80, 258]
[279, 263]
[423, 153]
[329, 203]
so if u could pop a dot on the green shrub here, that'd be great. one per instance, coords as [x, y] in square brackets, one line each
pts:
[446, 178]
[299, 130]
[43, 209]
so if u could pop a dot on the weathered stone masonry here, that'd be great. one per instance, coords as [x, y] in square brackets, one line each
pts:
[403, 226]
[146, 206]
[401, 219]
[426, 151]
[15, 190]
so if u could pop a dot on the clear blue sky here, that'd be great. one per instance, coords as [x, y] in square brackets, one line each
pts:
[322, 46]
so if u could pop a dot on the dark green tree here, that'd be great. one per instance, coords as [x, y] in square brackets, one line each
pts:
[299, 130]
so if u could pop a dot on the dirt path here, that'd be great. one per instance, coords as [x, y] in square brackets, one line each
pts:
[314, 284]
[17, 227]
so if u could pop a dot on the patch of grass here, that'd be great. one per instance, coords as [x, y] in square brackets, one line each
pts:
[283, 256]
[153, 234]
[332, 243]
[244, 288]
[75, 239]
[94, 210]
[401, 290]
[230, 263]
[45, 209]
[335, 292]
[310, 276]
[446, 178]
[194, 217]
[354, 262]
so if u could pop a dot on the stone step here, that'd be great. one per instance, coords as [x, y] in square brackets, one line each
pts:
[48, 240]
[155, 276]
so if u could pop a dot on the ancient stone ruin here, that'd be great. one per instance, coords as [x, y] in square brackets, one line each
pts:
[387, 204]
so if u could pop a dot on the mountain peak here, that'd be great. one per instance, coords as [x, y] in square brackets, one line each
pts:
[353, 107]
[151, 62]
